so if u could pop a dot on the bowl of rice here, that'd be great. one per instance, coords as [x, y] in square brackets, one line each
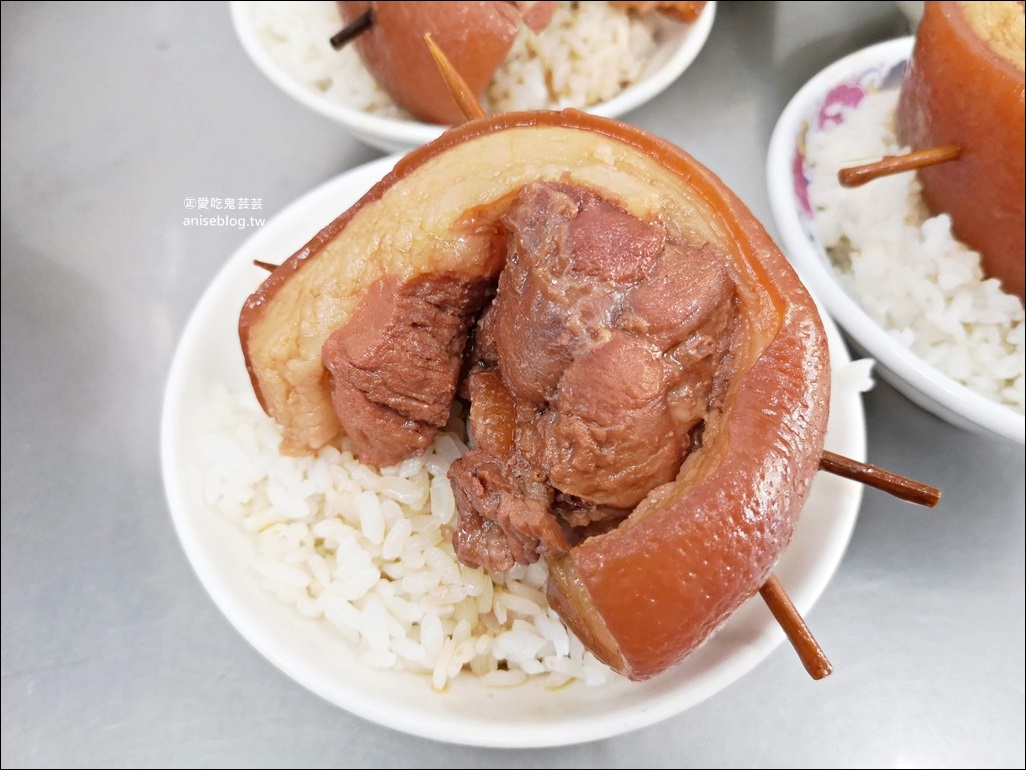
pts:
[344, 576]
[592, 56]
[893, 277]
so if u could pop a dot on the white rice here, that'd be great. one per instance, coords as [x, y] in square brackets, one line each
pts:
[370, 554]
[588, 54]
[907, 271]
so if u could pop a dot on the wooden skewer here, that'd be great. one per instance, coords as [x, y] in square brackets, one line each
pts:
[772, 592]
[901, 487]
[895, 164]
[353, 29]
[265, 265]
[801, 638]
[461, 92]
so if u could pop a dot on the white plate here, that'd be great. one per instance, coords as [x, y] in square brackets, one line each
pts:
[878, 67]
[680, 45]
[311, 654]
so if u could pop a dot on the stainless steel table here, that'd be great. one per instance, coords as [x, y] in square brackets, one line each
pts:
[113, 655]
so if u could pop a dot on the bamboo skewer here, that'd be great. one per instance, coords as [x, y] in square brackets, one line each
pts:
[899, 486]
[895, 164]
[461, 92]
[353, 29]
[801, 638]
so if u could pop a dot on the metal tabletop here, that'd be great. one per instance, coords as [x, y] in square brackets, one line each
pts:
[113, 655]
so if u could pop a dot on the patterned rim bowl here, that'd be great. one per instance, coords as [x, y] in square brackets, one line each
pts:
[818, 105]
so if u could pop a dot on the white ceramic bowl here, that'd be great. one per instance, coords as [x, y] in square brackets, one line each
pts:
[680, 45]
[224, 558]
[879, 66]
